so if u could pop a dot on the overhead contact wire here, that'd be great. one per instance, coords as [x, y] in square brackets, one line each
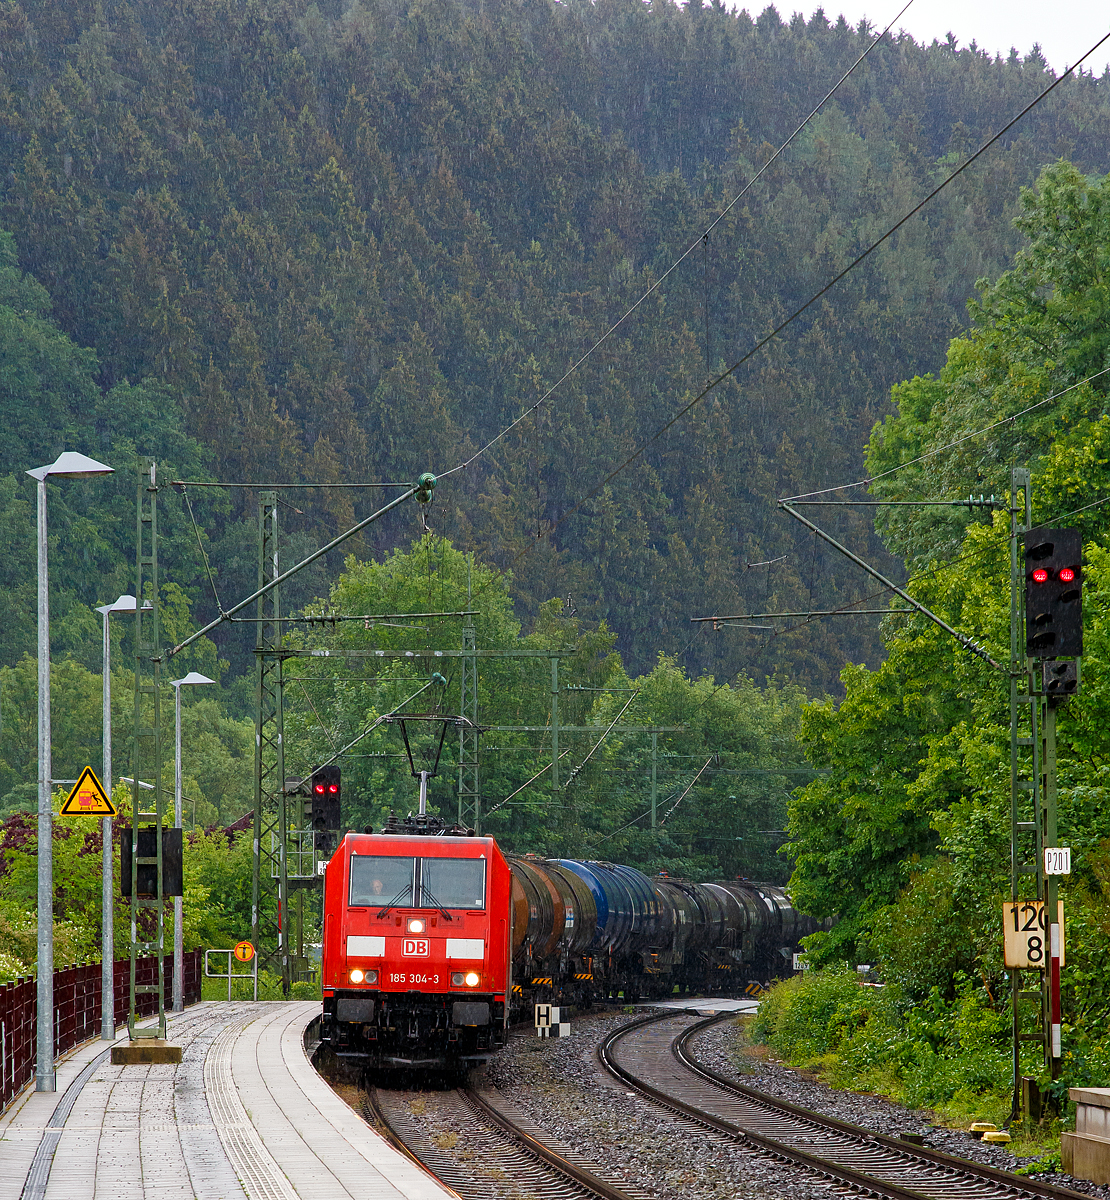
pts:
[701, 239]
[729, 371]
[203, 552]
[967, 437]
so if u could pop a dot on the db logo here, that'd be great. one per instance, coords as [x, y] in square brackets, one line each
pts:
[415, 948]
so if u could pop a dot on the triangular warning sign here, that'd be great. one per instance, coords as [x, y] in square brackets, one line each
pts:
[88, 798]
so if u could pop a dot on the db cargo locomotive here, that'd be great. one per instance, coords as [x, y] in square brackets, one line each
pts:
[432, 937]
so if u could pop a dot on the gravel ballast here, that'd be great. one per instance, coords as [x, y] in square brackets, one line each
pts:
[723, 1050]
[561, 1087]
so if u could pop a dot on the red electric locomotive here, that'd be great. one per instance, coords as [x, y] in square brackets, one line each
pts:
[416, 953]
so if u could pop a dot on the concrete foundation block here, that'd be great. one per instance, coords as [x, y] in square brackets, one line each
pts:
[145, 1052]
[1085, 1154]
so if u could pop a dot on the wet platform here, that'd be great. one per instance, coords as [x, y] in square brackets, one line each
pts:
[705, 1006]
[243, 1116]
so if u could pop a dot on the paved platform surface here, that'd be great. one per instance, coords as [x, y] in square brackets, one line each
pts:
[243, 1117]
[704, 1005]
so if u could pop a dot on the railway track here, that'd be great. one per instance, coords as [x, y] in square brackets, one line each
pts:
[502, 1156]
[648, 1056]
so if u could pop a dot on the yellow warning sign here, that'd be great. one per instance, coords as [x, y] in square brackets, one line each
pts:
[88, 798]
[243, 951]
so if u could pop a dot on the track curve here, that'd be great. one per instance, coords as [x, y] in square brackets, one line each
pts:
[648, 1056]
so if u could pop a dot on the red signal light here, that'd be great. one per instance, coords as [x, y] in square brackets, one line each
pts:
[1040, 575]
[1066, 574]
[319, 789]
[332, 788]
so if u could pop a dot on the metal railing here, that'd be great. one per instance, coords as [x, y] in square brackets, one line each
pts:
[77, 995]
[301, 857]
[250, 973]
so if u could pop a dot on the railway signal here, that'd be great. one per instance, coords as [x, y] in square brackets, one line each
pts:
[325, 795]
[1053, 593]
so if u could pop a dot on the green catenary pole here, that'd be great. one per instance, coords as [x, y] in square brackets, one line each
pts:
[147, 757]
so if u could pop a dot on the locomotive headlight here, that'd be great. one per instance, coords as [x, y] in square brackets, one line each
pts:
[371, 977]
[417, 925]
[357, 975]
[472, 979]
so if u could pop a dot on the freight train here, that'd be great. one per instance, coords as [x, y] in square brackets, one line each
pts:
[433, 938]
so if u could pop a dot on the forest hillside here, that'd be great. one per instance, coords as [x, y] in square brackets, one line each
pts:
[331, 242]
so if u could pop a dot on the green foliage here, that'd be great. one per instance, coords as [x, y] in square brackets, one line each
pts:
[335, 242]
[907, 835]
[1041, 328]
[809, 1015]
[303, 989]
[922, 939]
[216, 903]
[217, 906]
[867, 1038]
[217, 749]
[242, 988]
[50, 400]
[726, 823]
[1046, 1164]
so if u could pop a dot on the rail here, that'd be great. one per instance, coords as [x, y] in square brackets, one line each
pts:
[938, 1157]
[497, 1139]
[872, 1163]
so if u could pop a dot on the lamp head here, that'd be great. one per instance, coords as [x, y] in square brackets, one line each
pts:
[123, 604]
[71, 465]
[192, 677]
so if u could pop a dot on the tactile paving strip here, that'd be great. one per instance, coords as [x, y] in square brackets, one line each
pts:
[259, 1173]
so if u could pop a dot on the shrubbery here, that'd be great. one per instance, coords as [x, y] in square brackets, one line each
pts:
[217, 872]
[932, 1052]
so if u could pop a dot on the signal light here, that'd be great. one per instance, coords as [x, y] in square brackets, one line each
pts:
[1054, 607]
[1061, 680]
[325, 795]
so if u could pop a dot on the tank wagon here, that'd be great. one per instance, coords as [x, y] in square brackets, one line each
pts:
[432, 938]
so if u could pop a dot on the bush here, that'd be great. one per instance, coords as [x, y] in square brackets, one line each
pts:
[928, 914]
[931, 1052]
[809, 1016]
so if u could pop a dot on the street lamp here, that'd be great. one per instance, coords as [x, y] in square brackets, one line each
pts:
[69, 465]
[178, 941]
[107, 938]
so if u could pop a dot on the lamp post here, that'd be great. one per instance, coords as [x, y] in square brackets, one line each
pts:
[107, 937]
[68, 465]
[178, 940]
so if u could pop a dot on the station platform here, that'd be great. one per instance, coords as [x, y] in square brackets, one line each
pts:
[705, 1006]
[243, 1116]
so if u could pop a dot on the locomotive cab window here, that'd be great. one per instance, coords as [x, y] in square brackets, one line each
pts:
[382, 879]
[452, 883]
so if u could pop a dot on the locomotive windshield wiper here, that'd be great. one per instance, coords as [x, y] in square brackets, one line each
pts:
[435, 903]
[384, 912]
